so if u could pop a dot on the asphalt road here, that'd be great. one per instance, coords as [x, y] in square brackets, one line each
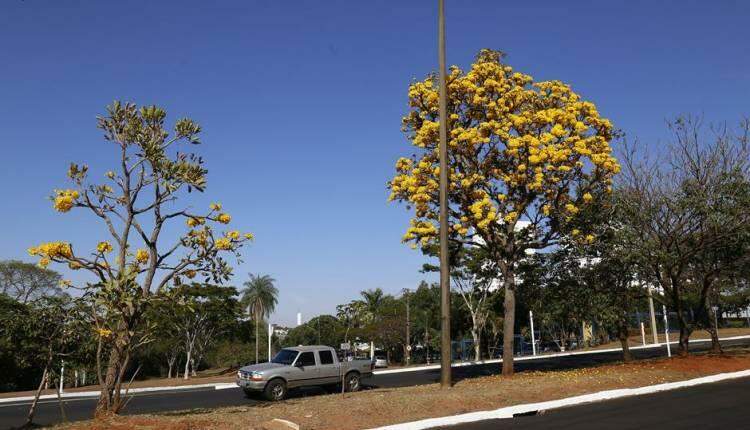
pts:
[722, 405]
[48, 411]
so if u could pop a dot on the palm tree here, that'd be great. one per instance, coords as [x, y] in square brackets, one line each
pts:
[372, 301]
[260, 297]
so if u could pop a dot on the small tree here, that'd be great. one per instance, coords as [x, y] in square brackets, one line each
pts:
[45, 331]
[524, 158]
[473, 275]
[25, 282]
[135, 202]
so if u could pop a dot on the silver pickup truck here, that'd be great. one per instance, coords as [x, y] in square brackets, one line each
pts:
[302, 366]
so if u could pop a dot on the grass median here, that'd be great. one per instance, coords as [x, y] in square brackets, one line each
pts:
[377, 407]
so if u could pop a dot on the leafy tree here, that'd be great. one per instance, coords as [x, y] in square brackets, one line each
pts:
[685, 217]
[25, 282]
[351, 315]
[260, 297]
[321, 330]
[200, 314]
[524, 159]
[473, 276]
[42, 333]
[135, 202]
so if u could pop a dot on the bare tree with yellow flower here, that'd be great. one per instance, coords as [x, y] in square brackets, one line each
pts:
[525, 158]
[138, 262]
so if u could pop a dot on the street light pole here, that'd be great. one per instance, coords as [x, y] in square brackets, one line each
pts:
[445, 293]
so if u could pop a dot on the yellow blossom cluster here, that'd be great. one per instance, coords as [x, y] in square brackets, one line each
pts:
[223, 243]
[195, 221]
[141, 256]
[65, 199]
[224, 218]
[104, 247]
[422, 230]
[51, 251]
[516, 147]
[199, 236]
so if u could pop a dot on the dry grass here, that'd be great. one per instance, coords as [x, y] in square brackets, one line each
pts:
[388, 406]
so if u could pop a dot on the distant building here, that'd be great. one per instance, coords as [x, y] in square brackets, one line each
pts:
[280, 332]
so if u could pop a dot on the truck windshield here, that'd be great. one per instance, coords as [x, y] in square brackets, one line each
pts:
[285, 356]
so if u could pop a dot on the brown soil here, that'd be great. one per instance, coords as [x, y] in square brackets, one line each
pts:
[389, 406]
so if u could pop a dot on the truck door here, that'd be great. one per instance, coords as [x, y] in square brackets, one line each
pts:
[304, 371]
[329, 370]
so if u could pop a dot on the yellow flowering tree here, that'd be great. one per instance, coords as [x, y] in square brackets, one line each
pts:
[526, 160]
[138, 262]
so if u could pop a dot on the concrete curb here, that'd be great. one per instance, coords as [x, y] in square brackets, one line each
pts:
[82, 394]
[511, 411]
[227, 385]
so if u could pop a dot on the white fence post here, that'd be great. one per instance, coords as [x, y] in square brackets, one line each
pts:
[533, 342]
[643, 334]
[270, 333]
[666, 330]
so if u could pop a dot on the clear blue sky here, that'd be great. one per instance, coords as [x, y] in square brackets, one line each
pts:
[301, 105]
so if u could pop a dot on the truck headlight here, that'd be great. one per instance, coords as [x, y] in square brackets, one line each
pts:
[256, 376]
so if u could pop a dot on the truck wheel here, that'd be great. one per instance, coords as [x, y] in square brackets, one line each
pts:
[275, 390]
[352, 381]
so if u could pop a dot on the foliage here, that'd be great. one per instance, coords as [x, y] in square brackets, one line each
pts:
[135, 202]
[685, 220]
[321, 330]
[25, 282]
[260, 297]
[524, 158]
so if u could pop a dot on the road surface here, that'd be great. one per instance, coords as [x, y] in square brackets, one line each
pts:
[721, 405]
[48, 411]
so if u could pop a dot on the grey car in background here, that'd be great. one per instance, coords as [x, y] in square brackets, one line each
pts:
[302, 366]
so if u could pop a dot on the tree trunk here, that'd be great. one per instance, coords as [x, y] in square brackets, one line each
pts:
[109, 399]
[509, 308]
[188, 358]
[192, 366]
[476, 336]
[42, 383]
[685, 331]
[622, 333]
[713, 330]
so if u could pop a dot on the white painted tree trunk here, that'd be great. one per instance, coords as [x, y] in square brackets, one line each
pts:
[186, 374]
